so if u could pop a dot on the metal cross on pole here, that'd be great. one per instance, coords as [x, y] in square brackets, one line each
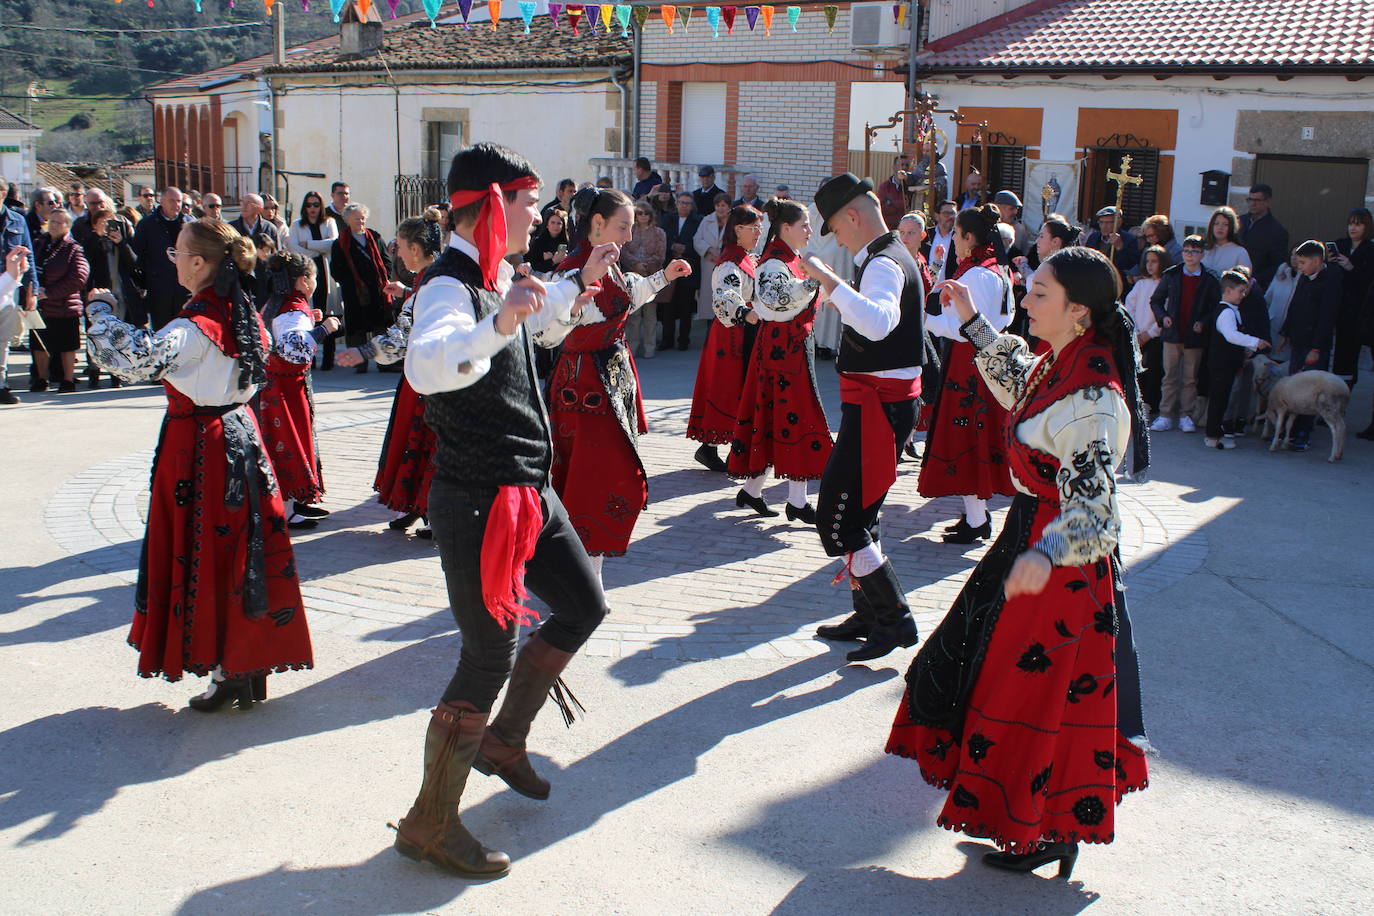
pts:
[1122, 178]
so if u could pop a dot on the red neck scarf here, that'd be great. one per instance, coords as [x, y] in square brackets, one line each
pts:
[783, 252]
[734, 254]
[982, 256]
[374, 254]
[489, 235]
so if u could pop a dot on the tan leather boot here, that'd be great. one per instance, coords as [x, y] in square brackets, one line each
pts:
[432, 831]
[503, 746]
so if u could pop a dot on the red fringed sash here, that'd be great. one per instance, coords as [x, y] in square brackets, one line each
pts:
[878, 463]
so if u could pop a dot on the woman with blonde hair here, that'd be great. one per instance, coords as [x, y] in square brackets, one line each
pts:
[217, 589]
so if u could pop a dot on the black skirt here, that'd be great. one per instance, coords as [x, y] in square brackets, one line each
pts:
[62, 335]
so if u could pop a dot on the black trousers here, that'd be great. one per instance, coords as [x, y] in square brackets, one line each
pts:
[844, 524]
[1152, 379]
[559, 573]
[676, 317]
[1221, 378]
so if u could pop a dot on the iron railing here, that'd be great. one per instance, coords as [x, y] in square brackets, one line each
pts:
[414, 193]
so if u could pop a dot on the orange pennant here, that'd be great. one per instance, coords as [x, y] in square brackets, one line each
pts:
[494, 12]
[669, 13]
[767, 13]
[364, 7]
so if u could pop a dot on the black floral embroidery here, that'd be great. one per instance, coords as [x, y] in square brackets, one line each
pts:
[1082, 686]
[793, 418]
[941, 748]
[1034, 658]
[1105, 760]
[283, 616]
[1104, 621]
[1062, 629]
[183, 492]
[963, 798]
[1086, 480]
[1089, 810]
[961, 421]
[1041, 780]
[979, 745]
[1098, 365]
[731, 279]
[815, 445]
[777, 353]
[222, 530]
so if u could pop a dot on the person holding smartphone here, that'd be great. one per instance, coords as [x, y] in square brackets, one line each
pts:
[549, 246]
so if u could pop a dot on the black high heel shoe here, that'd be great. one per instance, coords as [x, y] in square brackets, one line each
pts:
[964, 533]
[403, 522]
[424, 532]
[707, 457]
[239, 691]
[756, 503]
[1065, 853]
[806, 513]
[963, 521]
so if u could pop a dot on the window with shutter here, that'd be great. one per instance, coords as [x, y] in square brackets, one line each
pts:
[703, 123]
[1139, 201]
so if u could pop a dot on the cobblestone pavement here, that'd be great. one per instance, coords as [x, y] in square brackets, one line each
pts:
[702, 579]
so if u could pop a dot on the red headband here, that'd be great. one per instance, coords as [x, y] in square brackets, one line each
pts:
[490, 231]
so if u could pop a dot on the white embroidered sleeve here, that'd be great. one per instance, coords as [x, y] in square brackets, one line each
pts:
[1088, 526]
[291, 337]
[135, 354]
[780, 293]
[1004, 360]
[729, 296]
[390, 346]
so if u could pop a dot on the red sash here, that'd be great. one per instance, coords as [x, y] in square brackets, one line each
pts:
[878, 444]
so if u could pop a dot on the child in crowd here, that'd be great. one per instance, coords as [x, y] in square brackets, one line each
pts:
[1227, 349]
[1182, 305]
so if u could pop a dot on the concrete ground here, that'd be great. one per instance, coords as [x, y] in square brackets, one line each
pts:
[728, 763]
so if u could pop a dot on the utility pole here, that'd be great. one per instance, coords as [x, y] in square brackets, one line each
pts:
[279, 58]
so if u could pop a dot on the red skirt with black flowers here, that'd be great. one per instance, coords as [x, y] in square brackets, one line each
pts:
[780, 422]
[286, 412]
[204, 559]
[720, 378]
[966, 451]
[407, 462]
[1039, 756]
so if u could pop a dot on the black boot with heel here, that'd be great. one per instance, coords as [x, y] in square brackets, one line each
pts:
[1066, 854]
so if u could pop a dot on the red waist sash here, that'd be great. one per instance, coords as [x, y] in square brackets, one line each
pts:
[878, 461]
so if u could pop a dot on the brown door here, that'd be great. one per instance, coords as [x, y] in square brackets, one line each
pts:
[1312, 196]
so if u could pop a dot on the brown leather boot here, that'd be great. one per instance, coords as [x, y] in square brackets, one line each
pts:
[503, 746]
[432, 831]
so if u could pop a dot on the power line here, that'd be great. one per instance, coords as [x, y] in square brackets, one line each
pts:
[193, 28]
[101, 62]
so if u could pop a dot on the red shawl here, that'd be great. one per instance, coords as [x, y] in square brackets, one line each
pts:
[346, 239]
[734, 254]
[980, 257]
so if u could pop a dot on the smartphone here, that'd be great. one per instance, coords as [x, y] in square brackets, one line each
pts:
[562, 251]
[1331, 251]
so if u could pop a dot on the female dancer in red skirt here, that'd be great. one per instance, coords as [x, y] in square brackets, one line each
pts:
[1025, 702]
[725, 358]
[217, 590]
[286, 404]
[594, 403]
[965, 453]
[780, 423]
[406, 465]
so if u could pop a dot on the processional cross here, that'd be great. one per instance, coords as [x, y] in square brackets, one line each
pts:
[1122, 178]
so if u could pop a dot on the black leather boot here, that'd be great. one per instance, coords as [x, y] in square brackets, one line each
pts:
[856, 626]
[1065, 853]
[893, 625]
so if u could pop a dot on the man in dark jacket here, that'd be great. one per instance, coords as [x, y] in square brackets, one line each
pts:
[1311, 322]
[1263, 235]
[250, 222]
[705, 196]
[1183, 304]
[676, 314]
[1111, 238]
[646, 179]
[154, 234]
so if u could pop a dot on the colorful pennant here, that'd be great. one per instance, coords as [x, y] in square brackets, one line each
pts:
[685, 14]
[728, 13]
[751, 15]
[593, 11]
[305, 6]
[607, 12]
[554, 10]
[432, 8]
[268, 5]
[641, 14]
[713, 20]
[527, 8]
[364, 7]
[622, 15]
[832, 13]
[575, 13]
[793, 14]
[669, 14]
[391, 6]
[465, 7]
[336, 7]
[494, 13]
[767, 12]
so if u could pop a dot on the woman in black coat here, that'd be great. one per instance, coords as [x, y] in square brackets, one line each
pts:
[1355, 257]
[361, 267]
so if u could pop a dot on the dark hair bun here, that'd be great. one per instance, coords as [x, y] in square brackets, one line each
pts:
[990, 214]
[583, 201]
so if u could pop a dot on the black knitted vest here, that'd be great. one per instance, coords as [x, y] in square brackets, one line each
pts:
[494, 432]
[905, 346]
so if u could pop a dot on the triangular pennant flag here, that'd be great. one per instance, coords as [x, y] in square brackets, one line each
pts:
[622, 15]
[607, 11]
[336, 6]
[685, 14]
[391, 5]
[669, 14]
[751, 14]
[593, 11]
[896, 12]
[432, 8]
[767, 12]
[465, 7]
[641, 14]
[793, 14]
[364, 7]
[268, 5]
[832, 12]
[713, 20]
[199, 10]
[494, 13]
[527, 8]
[575, 13]
[729, 13]
[554, 10]
[305, 6]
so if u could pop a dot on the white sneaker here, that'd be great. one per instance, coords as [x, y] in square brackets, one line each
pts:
[1161, 425]
[1185, 424]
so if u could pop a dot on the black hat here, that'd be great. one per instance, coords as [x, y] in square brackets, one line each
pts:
[835, 192]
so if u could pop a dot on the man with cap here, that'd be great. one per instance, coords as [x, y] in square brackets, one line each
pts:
[705, 196]
[879, 361]
[1009, 206]
[1108, 238]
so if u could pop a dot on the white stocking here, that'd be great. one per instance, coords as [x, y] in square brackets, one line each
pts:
[796, 493]
[754, 485]
[597, 563]
[865, 562]
[976, 510]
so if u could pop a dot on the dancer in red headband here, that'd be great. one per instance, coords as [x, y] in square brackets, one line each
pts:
[497, 522]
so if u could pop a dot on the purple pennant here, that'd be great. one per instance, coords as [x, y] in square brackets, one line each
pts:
[554, 10]
[391, 5]
[594, 15]
[465, 7]
[751, 13]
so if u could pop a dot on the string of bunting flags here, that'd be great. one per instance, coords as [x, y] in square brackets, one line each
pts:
[598, 17]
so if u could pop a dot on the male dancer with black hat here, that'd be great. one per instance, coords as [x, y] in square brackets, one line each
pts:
[880, 357]
[497, 521]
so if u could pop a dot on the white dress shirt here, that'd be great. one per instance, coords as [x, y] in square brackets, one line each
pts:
[1228, 326]
[875, 309]
[941, 249]
[450, 349]
[991, 295]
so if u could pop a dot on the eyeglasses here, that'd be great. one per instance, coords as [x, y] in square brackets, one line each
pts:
[213, 206]
[148, 196]
[172, 254]
[1196, 251]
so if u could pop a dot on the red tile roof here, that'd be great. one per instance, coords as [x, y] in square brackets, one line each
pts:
[1155, 35]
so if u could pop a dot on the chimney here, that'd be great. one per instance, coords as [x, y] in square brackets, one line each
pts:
[360, 38]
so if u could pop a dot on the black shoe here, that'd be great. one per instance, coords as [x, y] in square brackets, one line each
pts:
[854, 628]
[239, 691]
[708, 458]
[1366, 433]
[684, 344]
[883, 639]
[311, 511]
[957, 526]
[37, 384]
[756, 503]
[910, 451]
[67, 386]
[115, 382]
[93, 381]
[301, 523]
[8, 397]
[1065, 853]
[401, 523]
[806, 513]
[964, 533]
[424, 532]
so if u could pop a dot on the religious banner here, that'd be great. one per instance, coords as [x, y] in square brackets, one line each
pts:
[1051, 187]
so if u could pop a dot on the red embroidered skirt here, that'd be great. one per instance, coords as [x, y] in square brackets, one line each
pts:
[1040, 757]
[286, 412]
[407, 461]
[720, 378]
[190, 612]
[780, 422]
[966, 452]
[596, 468]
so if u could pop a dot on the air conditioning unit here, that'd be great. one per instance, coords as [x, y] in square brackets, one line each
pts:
[871, 25]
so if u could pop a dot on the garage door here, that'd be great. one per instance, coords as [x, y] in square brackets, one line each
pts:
[1312, 196]
[703, 123]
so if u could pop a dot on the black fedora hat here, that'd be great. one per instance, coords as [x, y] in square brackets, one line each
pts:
[835, 192]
